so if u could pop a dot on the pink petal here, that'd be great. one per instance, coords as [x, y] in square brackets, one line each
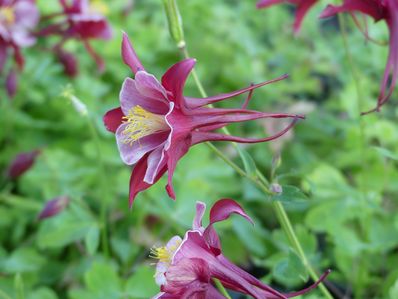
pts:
[156, 161]
[113, 119]
[137, 183]
[178, 146]
[149, 86]
[220, 211]
[185, 273]
[223, 208]
[302, 9]
[129, 56]
[371, 8]
[199, 136]
[268, 3]
[131, 153]
[268, 291]
[130, 96]
[198, 102]
[174, 80]
[313, 286]
[200, 211]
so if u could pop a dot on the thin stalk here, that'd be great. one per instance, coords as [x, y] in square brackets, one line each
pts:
[262, 183]
[104, 201]
[221, 288]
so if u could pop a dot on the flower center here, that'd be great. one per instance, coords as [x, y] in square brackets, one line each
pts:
[142, 123]
[165, 254]
[7, 15]
[99, 7]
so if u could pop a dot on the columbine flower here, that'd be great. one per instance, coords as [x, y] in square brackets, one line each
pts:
[54, 207]
[156, 125]
[303, 6]
[17, 19]
[386, 10]
[83, 20]
[186, 266]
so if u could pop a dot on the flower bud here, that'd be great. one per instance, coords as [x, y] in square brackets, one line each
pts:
[175, 22]
[276, 188]
[22, 163]
[54, 207]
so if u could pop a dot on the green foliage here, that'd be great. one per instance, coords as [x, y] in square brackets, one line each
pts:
[338, 171]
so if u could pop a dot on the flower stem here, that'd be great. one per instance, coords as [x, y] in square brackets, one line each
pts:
[262, 184]
[221, 288]
[104, 201]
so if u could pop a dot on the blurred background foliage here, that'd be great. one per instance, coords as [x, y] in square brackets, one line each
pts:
[338, 172]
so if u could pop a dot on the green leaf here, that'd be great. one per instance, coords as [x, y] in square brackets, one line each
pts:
[249, 235]
[248, 163]
[92, 240]
[290, 194]
[103, 282]
[386, 153]
[42, 293]
[291, 269]
[23, 260]
[142, 283]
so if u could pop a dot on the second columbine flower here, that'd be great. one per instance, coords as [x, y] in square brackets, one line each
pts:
[156, 124]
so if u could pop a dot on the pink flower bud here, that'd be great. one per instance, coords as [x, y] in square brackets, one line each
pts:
[54, 207]
[22, 163]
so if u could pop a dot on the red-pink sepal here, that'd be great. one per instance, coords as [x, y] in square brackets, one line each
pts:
[54, 207]
[22, 163]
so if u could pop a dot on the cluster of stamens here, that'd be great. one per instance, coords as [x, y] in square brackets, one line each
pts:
[7, 15]
[164, 254]
[141, 123]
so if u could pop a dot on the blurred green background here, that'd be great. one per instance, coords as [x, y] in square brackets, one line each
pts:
[338, 172]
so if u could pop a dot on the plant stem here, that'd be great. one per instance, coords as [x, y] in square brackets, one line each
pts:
[221, 288]
[102, 174]
[262, 184]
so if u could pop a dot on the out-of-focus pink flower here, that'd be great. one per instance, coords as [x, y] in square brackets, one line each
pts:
[303, 6]
[156, 124]
[22, 163]
[386, 10]
[54, 207]
[69, 62]
[17, 19]
[186, 267]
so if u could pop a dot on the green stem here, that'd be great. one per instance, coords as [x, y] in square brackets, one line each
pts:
[262, 183]
[102, 174]
[221, 288]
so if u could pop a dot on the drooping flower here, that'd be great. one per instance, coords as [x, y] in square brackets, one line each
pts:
[22, 163]
[303, 6]
[186, 267]
[17, 20]
[386, 10]
[156, 124]
[54, 207]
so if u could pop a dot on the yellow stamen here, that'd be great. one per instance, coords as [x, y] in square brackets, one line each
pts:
[142, 123]
[7, 15]
[161, 254]
[98, 6]
[165, 254]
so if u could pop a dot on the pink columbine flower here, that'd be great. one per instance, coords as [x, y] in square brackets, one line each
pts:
[156, 124]
[22, 163]
[17, 19]
[386, 10]
[303, 6]
[54, 207]
[186, 267]
[82, 20]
